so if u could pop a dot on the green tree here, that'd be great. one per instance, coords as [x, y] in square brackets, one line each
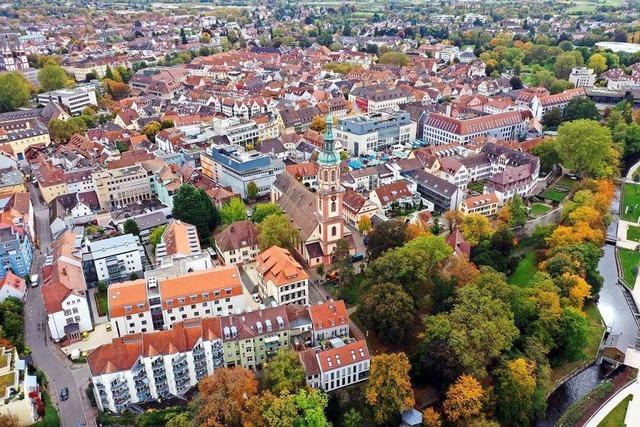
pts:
[547, 153]
[284, 373]
[263, 210]
[232, 211]
[388, 390]
[305, 408]
[121, 146]
[61, 131]
[566, 62]
[52, 77]
[193, 205]
[394, 57]
[277, 230]
[183, 36]
[341, 259]
[14, 91]
[388, 310]
[180, 420]
[598, 62]
[386, 235]
[156, 235]
[518, 211]
[580, 108]
[252, 191]
[131, 227]
[572, 335]
[515, 391]
[586, 147]
[552, 118]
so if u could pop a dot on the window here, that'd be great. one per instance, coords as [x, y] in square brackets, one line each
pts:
[333, 206]
[334, 230]
[333, 175]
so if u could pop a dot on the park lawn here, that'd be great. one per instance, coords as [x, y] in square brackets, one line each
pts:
[628, 260]
[525, 270]
[631, 194]
[539, 209]
[554, 195]
[102, 302]
[615, 418]
[596, 330]
[633, 233]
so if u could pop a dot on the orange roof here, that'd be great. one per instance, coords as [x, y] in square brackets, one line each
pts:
[127, 294]
[53, 294]
[13, 281]
[181, 238]
[345, 355]
[278, 266]
[328, 315]
[225, 280]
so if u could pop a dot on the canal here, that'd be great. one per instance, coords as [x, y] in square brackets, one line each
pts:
[617, 316]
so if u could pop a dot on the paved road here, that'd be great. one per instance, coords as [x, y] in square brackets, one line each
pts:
[45, 355]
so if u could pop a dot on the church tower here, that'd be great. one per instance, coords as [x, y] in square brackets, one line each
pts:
[329, 195]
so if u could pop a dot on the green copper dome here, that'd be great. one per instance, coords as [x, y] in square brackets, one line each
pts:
[329, 156]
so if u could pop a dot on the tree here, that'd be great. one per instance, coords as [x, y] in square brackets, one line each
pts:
[386, 235]
[552, 118]
[518, 211]
[364, 224]
[52, 77]
[223, 397]
[566, 62]
[277, 230]
[61, 131]
[431, 418]
[586, 147]
[389, 391]
[151, 129]
[181, 420]
[352, 418]
[232, 211]
[395, 58]
[118, 90]
[341, 259]
[516, 83]
[14, 91]
[388, 310]
[572, 335]
[131, 227]
[193, 205]
[252, 190]
[515, 391]
[580, 108]
[183, 36]
[598, 62]
[263, 210]
[318, 124]
[464, 399]
[453, 219]
[475, 228]
[284, 373]
[156, 235]
[547, 153]
[305, 408]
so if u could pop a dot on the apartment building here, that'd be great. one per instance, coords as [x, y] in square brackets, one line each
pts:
[75, 99]
[483, 204]
[582, 77]
[329, 320]
[367, 134]
[158, 301]
[379, 97]
[440, 129]
[113, 260]
[120, 187]
[281, 278]
[232, 166]
[20, 135]
[237, 243]
[67, 311]
[238, 131]
[179, 239]
[16, 250]
[444, 195]
[541, 104]
[341, 365]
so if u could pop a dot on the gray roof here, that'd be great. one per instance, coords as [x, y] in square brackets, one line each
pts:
[298, 203]
[114, 246]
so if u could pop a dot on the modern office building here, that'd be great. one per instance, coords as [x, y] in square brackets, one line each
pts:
[582, 77]
[440, 129]
[117, 188]
[366, 134]
[114, 259]
[75, 99]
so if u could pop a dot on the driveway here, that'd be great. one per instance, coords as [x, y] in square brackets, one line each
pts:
[60, 371]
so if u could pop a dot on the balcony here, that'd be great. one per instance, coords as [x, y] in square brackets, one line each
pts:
[121, 397]
[218, 363]
[140, 375]
[178, 359]
[218, 354]
[144, 396]
[180, 373]
[363, 375]
[121, 394]
[180, 365]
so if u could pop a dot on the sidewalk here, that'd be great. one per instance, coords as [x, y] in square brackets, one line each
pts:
[632, 418]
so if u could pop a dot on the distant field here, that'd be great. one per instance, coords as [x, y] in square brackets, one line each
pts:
[590, 5]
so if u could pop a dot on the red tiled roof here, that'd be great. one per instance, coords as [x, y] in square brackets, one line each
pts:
[345, 355]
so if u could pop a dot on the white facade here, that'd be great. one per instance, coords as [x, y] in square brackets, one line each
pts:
[292, 293]
[75, 309]
[582, 77]
[221, 305]
[76, 99]
[114, 259]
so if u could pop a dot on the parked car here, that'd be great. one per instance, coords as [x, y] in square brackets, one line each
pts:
[34, 280]
[64, 393]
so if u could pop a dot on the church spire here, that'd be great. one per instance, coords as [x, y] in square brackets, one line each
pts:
[329, 156]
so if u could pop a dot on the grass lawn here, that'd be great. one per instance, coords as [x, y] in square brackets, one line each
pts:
[525, 270]
[628, 260]
[102, 302]
[558, 191]
[615, 418]
[596, 329]
[631, 202]
[539, 209]
[633, 233]
[5, 381]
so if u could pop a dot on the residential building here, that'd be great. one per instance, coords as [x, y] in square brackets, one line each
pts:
[444, 195]
[11, 182]
[75, 99]
[179, 239]
[379, 97]
[281, 278]
[117, 188]
[159, 301]
[13, 56]
[329, 320]
[114, 259]
[545, 103]
[237, 243]
[340, 365]
[18, 135]
[394, 194]
[355, 207]
[232, 166]
[12, 286]
[582, 77]
[440, 129]
[484, 204]
[20, 390]
[16, 250]
[67, 311]
[367, 134]
[238, 131]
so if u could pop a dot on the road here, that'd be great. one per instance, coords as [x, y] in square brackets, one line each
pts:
[45, 355]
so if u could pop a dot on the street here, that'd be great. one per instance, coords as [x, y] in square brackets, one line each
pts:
[58, 369]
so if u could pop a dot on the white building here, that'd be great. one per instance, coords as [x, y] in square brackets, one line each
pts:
[582, 77]
[113, 260]
[440, 129]
[339, 366]
[67, 312]
[237, 243]
[75, 99]
[366, 134]
[282, 277]
[329, 320]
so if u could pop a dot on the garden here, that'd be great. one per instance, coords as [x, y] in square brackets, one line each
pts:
[539, 209]
[558, 191]
[616, 417]
[629, 260]
[631, 202]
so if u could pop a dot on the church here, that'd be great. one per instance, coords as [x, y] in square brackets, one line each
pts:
[317, 216]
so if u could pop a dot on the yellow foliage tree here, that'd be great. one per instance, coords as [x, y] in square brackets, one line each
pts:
[318, 124]
[464, 399]
[580, 291]
[431, 418]
[416, 229]
[586, 214]
[475, 228]
[364, 224]
[572, 235]
[389, 388]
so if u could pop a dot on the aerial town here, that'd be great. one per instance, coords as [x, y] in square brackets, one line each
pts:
[273, 213]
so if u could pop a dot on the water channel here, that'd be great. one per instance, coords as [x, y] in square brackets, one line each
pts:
[617, 316]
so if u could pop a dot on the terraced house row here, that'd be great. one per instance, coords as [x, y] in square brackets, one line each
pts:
[143, 367]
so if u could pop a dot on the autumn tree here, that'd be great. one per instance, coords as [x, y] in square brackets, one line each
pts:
[388, 310]
[318, 124]
[364, 224]
[598, 63]
[15, 91]
[475, 228]
[394, 57]
[232, 211]
[263, 210]
[151, 129]
[586, 147]
[277, 230]
[386, 235]
[516, 386]
[223, 397]
[117, 90]
[61, 131]
[431, 418]
[341, 259]
[416, 229]
[389, 390]
[284, 373]
[454, 219]
[464, 399]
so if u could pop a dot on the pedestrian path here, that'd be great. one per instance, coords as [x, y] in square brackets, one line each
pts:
[632, 418]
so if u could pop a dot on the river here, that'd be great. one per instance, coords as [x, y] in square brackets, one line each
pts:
[617, 316]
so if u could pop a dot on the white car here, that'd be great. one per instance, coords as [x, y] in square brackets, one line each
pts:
[34, 280]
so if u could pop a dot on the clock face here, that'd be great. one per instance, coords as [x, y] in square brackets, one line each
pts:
[333, 198]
